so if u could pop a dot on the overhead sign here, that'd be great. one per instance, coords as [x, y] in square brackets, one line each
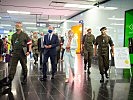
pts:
[81, 21]
[121, 57]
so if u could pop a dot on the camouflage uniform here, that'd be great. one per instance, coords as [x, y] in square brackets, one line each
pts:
[88, 41]
[35, 49]
[103, 52]
[18, 41]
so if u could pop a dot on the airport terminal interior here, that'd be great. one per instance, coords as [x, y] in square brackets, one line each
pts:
[36, 16]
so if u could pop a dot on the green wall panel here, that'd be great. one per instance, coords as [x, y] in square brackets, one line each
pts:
[128, 33]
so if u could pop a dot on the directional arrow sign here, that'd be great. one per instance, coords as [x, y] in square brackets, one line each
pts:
[131, 26]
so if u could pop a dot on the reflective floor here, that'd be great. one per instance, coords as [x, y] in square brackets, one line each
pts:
[84, 86]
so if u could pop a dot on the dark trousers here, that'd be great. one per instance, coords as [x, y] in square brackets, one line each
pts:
[35, 55]
[41, 56]
[88, 59]
[62, 53]
[57, 58]
[103, 62]
[14, 61]
[52, 58]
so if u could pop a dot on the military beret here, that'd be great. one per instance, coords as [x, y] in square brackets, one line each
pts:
[103, 28]
[88, 29]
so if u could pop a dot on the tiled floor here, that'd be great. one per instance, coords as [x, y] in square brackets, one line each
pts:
[84, 86]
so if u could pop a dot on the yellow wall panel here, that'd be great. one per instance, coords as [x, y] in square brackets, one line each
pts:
[77, 30]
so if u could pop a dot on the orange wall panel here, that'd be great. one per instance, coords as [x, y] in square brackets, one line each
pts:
[77, 30]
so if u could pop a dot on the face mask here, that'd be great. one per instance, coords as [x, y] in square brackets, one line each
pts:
[89, 32]
[34, 35]
[17, 30]
[70, 35]
[50, 31]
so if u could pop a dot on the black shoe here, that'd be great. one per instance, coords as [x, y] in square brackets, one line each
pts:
[84, 67]
[5, 82]
[102, 79]
[35, 62]
[44, 78]
[89, 71]
[24, 81]
[52, 77]
[106, 75]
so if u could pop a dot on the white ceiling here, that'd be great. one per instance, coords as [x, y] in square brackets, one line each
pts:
[41, 10]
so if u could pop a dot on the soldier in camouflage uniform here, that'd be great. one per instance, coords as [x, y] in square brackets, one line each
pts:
[21, 47]
[35, 47]
[88, 41]
[103, 41]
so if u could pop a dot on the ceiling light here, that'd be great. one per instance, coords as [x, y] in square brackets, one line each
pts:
[30, 23]
[78, 6]
[92, 0]
[5, 25]
[105, 8]
[0, 17]
[116, 18]
[116, 24]
[72, 21]
[111, 8]
[17, 12]
[42, 24]
[34, 28]
[85, 6]
[52, 20]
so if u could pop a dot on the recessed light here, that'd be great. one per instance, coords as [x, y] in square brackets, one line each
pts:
[17, 12]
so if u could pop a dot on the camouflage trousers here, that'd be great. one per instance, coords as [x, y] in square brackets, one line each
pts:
[103, 62]
[35, 54]
[14, 62]
[88, 58]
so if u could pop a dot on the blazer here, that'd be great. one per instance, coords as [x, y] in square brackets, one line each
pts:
[39, 45]
[54, 42]
[73, 45]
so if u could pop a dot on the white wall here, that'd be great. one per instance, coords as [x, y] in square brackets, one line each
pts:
[97, 18]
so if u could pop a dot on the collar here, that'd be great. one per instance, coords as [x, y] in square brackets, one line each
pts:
[50, 33]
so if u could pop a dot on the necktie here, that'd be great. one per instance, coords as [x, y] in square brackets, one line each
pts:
[49, 37]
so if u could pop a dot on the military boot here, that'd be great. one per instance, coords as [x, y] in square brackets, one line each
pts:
[6, 82]
[106, 75]
[85, 67]
[88, 71]
[85, 63]
[102, 79]
[24, 80]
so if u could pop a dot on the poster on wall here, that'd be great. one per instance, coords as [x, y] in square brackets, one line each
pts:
[121, 57]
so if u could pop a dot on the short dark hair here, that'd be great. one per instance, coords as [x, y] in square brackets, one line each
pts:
[103, 28]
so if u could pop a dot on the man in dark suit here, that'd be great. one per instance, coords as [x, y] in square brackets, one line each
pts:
[41, 47]
[50, 43]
